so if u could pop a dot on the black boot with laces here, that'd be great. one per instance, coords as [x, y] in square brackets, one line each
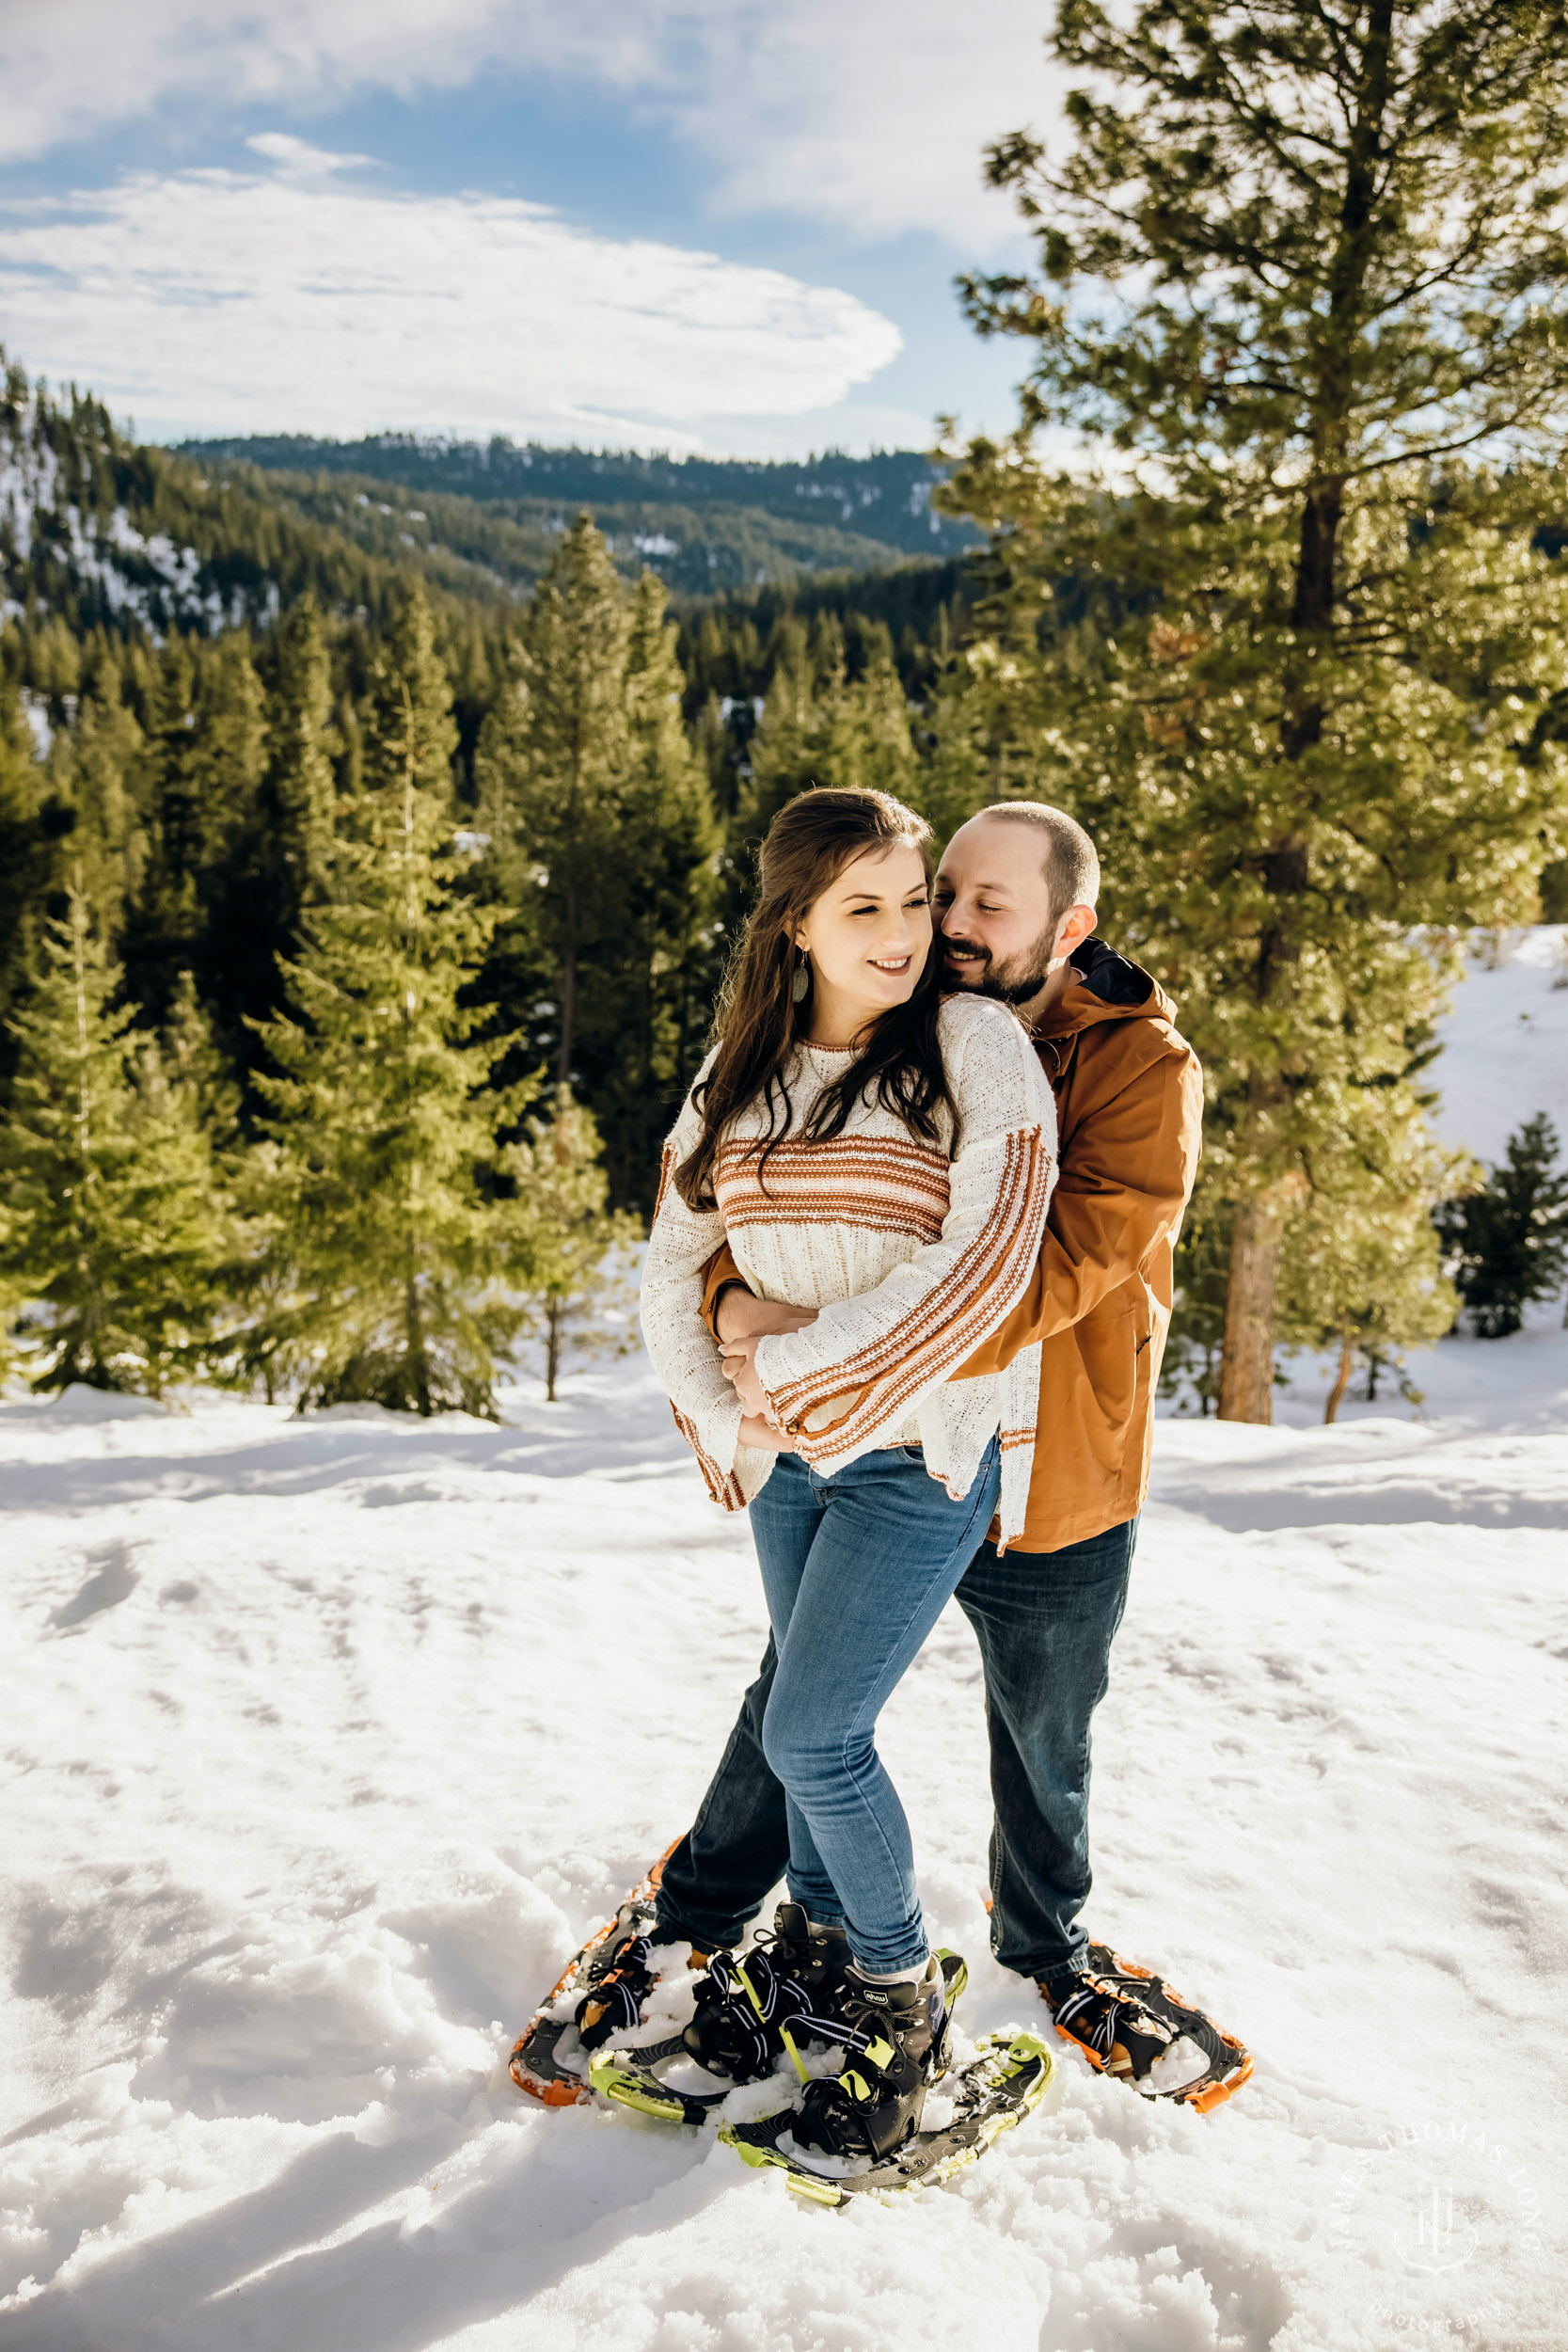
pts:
[895, 2043]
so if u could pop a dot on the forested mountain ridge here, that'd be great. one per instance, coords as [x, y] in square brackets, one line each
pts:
[703, 524]
[99, 531]
[503, 545]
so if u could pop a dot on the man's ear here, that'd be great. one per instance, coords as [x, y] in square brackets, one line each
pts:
[1076, 925]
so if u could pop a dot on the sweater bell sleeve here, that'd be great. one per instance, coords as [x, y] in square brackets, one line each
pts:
[682, 1349]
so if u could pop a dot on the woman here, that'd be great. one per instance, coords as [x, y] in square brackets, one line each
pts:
[884, 1159]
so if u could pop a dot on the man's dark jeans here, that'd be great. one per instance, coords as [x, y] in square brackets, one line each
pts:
[1045, 1622]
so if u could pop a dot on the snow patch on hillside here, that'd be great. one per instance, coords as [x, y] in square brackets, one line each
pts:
[146, 577]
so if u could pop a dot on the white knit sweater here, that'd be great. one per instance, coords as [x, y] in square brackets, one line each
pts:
[912, 1257]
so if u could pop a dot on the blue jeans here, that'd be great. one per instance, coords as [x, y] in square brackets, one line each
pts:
[856, 1570]
[1045, 1622]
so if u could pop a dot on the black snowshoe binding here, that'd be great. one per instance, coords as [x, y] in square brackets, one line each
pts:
[743, 2007]
[896, 2040]
[1128, 2022]
[615, 2001]
[1011, 2076]
[750, 2007]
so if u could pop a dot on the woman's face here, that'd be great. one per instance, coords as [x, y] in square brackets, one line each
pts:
[868, 937]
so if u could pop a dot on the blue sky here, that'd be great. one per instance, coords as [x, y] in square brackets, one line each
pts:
[695, 226]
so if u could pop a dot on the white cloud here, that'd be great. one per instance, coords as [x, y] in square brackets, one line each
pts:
[302, 300]
[871, 115]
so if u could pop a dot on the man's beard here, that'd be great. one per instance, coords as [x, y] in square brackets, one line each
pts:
[1009, 983]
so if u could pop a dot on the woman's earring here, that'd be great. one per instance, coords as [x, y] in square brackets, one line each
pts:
[801, 981]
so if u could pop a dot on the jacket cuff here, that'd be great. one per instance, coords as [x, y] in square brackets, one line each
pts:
[719, 1273]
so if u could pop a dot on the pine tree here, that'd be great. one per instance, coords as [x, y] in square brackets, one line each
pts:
[1362, 1270]
[1335, 356]
[822, 725]
[205, 755]
[298, 789]
[568, 1239]
[95, 768]
[654, 1015]
[115, 1228]
[552, 765]
[1507, 1242]
[786, 752]
[276, 866]
[383, 1183]
[869, 746]
[193, 1062]
[25, 852]
[601, 841]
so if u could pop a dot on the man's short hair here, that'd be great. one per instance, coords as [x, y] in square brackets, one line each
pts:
[1072, 862]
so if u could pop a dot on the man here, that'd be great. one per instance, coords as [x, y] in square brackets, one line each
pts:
[1014, 902]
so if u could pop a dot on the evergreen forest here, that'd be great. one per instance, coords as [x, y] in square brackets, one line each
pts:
[376, 820]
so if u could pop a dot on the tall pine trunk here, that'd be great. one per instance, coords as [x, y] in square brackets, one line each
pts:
[1246, 1368]
[88, 1353]
[554, 1317]
[1247, 1372]
[569, 987]
[1341, 1380]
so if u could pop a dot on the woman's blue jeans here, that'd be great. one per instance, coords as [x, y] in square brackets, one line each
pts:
[1045, 1622]
[856, 1570]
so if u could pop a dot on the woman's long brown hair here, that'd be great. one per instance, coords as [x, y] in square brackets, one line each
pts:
[758, 1023]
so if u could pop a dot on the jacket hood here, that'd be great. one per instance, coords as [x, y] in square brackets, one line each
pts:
[1104, 987]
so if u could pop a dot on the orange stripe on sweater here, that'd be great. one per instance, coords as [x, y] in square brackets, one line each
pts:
[722, 1486]
[666, 1170]
[872, 1184]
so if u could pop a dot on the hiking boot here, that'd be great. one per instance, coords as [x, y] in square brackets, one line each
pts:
[895, 2043]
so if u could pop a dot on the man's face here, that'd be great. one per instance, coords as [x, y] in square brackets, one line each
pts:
[994, 909]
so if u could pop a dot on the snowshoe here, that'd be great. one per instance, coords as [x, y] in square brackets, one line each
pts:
[1128, 2022]
[750, 2007]
[1009, 2078]
[609, 1976]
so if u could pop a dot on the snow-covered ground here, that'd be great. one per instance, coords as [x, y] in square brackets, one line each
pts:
[325, 1741]
[1505, 1045]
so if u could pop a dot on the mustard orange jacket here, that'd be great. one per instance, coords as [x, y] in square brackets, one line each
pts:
[1130, 1115]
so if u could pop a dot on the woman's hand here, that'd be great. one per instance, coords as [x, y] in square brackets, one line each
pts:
[738, 1358]
[763, 1437]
